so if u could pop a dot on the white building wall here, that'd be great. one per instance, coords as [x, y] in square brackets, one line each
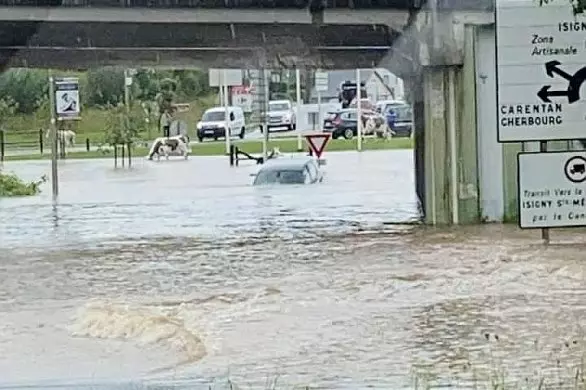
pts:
[490, 152]
[377, 91]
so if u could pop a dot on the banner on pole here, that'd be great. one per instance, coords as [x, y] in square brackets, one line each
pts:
[67, 106]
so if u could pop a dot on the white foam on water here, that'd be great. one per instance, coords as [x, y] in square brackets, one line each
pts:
[144, 327]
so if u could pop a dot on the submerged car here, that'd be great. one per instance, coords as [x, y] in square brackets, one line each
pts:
[289, 171]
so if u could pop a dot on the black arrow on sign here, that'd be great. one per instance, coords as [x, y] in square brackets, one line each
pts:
[574, 83]
[544, 93]
[551, 67]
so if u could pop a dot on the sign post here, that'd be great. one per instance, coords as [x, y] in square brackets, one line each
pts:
[64, 105]
[298, 112]
[358, 111]
[321, 85]
[540, 71]
[54, 167]
[317, 144]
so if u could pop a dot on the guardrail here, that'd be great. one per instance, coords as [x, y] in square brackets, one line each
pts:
[31, 142]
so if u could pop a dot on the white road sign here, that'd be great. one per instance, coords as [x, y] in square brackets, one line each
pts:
[321, 81]
[541, 65]
[229, 77]
[552, 189]
[67, 98]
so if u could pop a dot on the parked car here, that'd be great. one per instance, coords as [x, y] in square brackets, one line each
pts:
[303, 170]
[343, 123]
[403, 126]
[281, 115]
[213, 123]
[382, 106]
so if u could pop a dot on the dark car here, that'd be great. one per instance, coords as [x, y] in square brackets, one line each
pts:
[403, 126]
[341, 123]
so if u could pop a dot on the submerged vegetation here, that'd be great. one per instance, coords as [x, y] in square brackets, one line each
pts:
[12, 185]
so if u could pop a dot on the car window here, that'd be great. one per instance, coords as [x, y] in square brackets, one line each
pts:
[280, 177]
[351, 115]
[279, 106]
[211, 116]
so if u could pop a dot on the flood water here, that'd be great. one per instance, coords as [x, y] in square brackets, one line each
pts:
[179, 273]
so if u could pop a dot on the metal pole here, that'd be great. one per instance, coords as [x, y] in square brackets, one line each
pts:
[544, 231]
[358, 110]
[221, 95]
[298, 113]
[1, 146]
[126, 91]
[319, 110]
[452, 140]
[265, 138]
[54, 151]
[224, 88]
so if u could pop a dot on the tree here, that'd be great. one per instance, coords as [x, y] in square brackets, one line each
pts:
[25, 87]
[105, 87]
[123, 127]
[7, 109]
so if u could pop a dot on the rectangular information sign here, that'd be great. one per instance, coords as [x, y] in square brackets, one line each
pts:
[67, 98]
[540, 59]
[552, 189]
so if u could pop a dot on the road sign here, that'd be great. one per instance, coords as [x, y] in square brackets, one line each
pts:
[233, 77]
[540, 70]
[552, 189]
[317, 143]
[67, 104]
[321, 81]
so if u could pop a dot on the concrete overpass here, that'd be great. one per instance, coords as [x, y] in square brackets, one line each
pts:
[441, 49]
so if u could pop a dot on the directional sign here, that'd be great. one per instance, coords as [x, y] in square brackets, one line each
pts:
[67, 98]
[317, 143]
[552, 189]
[321, 81]
[541, 65]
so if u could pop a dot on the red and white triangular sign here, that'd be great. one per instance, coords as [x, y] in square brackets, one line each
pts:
[317, 143]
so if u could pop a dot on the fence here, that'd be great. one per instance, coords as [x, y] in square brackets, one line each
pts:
[31, 142]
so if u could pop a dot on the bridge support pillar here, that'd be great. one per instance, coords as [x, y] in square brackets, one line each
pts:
[450, 172]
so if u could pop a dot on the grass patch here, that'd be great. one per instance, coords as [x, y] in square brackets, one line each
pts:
[23, 130]
[252, 147]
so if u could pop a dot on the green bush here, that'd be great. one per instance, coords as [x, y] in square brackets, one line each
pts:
[12, 185]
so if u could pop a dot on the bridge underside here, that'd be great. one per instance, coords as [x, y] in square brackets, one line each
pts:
[66, 44]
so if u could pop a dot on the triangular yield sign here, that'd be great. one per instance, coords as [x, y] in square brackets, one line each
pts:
[317, 143]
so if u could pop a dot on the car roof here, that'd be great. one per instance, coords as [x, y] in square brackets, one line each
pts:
[286, 163]
[218, 109]
[279, 101]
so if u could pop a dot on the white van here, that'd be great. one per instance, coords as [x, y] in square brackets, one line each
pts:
[213, 123]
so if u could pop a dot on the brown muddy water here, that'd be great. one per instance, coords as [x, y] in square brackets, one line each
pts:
[180, 274]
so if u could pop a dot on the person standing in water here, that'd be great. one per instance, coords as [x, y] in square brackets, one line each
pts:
[165, 122]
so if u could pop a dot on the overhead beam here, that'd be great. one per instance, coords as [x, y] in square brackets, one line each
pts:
[236, 58]
[159, 15]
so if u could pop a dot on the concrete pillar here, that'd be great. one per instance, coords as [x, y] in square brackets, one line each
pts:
[468, 194]
[437, 204]
[450, 154]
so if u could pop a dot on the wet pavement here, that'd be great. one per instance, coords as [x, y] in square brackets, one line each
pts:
[175, 273]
